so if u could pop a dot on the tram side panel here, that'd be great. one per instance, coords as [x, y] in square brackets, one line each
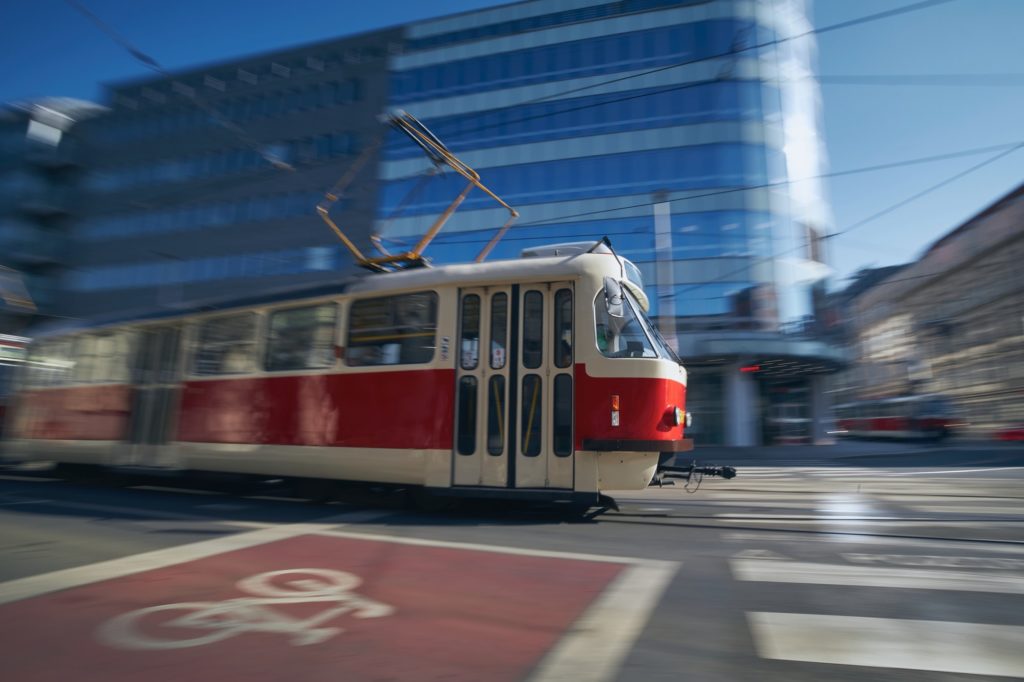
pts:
[384, 426]
[81, 424]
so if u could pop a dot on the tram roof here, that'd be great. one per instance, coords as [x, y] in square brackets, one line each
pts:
[462, 274]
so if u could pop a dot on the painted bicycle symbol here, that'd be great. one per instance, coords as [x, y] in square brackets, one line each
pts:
[189, 624]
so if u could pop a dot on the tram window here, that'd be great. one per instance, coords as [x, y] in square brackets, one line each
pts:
[621, 337]
[227, 345]
[301, 338]
[531, 415]
[499, 331]
[112, 362]
[102, 358]
[392, 330]
[469, 346]
[563, 328]
[496, 415]
[50, 363]
[533, 329]
[467, 416]
[84, 353]
[562, 428]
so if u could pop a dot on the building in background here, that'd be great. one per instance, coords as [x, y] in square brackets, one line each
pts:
[41, 172]
[204, 183]
[671, 127]
[843, 330]
[952, 322]
[675, 128]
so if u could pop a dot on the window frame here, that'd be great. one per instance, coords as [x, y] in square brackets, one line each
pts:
[268, 340]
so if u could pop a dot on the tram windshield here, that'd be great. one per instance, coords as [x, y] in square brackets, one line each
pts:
[629, 336]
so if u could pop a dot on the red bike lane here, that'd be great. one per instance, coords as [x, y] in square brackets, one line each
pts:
[310, 607]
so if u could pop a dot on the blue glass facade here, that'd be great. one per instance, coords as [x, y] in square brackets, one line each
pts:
[585, 115]
[663, 99]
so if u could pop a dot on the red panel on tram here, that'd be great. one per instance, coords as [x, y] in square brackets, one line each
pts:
[404, 409]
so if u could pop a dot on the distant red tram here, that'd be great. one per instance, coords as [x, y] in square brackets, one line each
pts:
[921, 417]
[535, 377]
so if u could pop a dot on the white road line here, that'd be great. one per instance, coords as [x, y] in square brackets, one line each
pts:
[128, 511]
[1010, 509]
[609, 558]
[17, 502]
[775, 571]
[789, 537]
[223, 506]
[951, 471]
[602, 637]
[33, 586]
[31, 479]
[969, 648]
[171, 489]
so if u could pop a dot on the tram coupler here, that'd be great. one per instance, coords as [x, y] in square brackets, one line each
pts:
[667, 472]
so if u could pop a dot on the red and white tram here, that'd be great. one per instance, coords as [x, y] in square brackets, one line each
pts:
[907, 417]
[534, 377]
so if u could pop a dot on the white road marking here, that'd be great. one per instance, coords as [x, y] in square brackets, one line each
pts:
[969, 648]
[33, 586]
[223, 506]
[32, 479]
[759, 554]
[934, 561]
[602, 637]
[208, 622]
[120, 510]
[845, 523]
[814, 537]
[17, 502]
[1011, 509]
[609, 558]
[951, 471]
[171, 489]
[775, 571]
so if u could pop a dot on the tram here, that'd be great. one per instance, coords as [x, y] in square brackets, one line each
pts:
[537, 378]
[918, 417]
[538, 375]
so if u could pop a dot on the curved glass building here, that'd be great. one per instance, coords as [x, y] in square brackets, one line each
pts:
[687, 132]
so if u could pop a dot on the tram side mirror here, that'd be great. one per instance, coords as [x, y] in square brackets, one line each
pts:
[613, 297]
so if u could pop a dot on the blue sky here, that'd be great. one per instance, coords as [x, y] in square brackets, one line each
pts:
[50, 49]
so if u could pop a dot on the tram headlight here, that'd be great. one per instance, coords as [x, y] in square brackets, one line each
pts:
[678, 417]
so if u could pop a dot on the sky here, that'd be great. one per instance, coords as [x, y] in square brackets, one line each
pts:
[49, 49]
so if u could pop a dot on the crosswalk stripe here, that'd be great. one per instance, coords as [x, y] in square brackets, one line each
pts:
[969, 648]
[775, 571]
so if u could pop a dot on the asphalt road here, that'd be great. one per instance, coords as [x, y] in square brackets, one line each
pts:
[784, 573]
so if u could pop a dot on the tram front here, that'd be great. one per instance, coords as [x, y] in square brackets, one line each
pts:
[630, 388]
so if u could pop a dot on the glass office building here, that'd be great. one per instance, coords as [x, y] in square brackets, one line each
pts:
[681, 130]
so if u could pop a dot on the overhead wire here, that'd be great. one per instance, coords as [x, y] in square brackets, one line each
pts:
[733, 51]
[152, 64]
[1005, 147]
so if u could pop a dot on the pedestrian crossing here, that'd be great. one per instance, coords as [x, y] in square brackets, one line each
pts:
[930, 587]
[938, 646]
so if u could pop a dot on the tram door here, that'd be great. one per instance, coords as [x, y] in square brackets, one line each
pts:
[154, 405]
[544, 369]
[483, 366]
